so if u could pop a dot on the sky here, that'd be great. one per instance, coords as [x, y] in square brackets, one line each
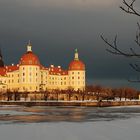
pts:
[57, 27]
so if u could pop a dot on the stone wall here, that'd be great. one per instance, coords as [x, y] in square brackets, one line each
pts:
[72, 103]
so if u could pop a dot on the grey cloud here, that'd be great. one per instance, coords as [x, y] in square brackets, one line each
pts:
[66, 3]
[56, 27]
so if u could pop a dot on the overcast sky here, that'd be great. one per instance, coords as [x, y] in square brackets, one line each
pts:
[57, 27]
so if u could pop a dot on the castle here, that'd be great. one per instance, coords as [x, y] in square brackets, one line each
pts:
[30, 76]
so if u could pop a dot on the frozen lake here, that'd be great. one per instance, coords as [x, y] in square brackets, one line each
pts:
[69, 123]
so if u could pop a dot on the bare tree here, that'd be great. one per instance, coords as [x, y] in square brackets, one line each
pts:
[113, 47]
[129, 8]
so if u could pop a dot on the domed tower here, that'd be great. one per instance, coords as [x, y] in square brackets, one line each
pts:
[2, 68]
[1, 61]
[77, 73]
[29, 71]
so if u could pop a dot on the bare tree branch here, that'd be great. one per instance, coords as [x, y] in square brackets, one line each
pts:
[135, 67]
[129, 8]
[115, 50]
[137, 40]
[113, 46]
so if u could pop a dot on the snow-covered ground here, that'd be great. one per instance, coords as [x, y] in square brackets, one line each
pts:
[100, 126]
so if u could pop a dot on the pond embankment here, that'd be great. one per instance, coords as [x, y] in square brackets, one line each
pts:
[72, 103]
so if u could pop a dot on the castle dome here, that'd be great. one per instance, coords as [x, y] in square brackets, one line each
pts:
[2, 71]
[29, 58]
[76, 64]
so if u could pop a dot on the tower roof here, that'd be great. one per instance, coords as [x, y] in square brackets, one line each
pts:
[76, 64]
[29, 58]
[1, 61]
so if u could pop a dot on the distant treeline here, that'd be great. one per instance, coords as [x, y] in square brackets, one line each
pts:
[108, 93]
[91, 92]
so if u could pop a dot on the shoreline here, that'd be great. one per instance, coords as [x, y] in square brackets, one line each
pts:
[71, 103]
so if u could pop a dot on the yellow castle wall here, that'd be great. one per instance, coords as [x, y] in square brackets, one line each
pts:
[31, 78]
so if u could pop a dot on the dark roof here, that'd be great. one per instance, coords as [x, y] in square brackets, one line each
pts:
[1, 61]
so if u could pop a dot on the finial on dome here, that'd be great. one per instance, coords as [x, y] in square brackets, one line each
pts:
[76, 55]
[29, 47]
[29, 43]
[76, 50]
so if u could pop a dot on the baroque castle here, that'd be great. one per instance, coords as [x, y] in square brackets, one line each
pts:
[30, 76]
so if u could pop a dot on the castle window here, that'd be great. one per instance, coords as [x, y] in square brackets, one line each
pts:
[78, 77]
[23, 74]
[30, 61]
[24, 88]
[72, 77]
[72, 72]
[78, 72]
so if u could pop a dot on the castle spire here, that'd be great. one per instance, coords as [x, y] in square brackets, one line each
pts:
[76, 57]
[29, 47]
[1, 61]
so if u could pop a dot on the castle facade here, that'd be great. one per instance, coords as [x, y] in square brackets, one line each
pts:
[30, 76]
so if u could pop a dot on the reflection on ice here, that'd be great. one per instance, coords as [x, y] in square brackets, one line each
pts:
[18, 114]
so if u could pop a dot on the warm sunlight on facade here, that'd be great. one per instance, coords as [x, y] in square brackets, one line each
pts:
[30, 76]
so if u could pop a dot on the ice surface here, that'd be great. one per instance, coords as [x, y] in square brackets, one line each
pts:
[121, 128]
[114, 130]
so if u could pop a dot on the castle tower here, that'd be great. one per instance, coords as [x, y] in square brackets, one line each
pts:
[77, 73]
[29, 71]
[1, 61]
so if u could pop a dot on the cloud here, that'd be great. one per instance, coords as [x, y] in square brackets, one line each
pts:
[67, 3]
[73, 2]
